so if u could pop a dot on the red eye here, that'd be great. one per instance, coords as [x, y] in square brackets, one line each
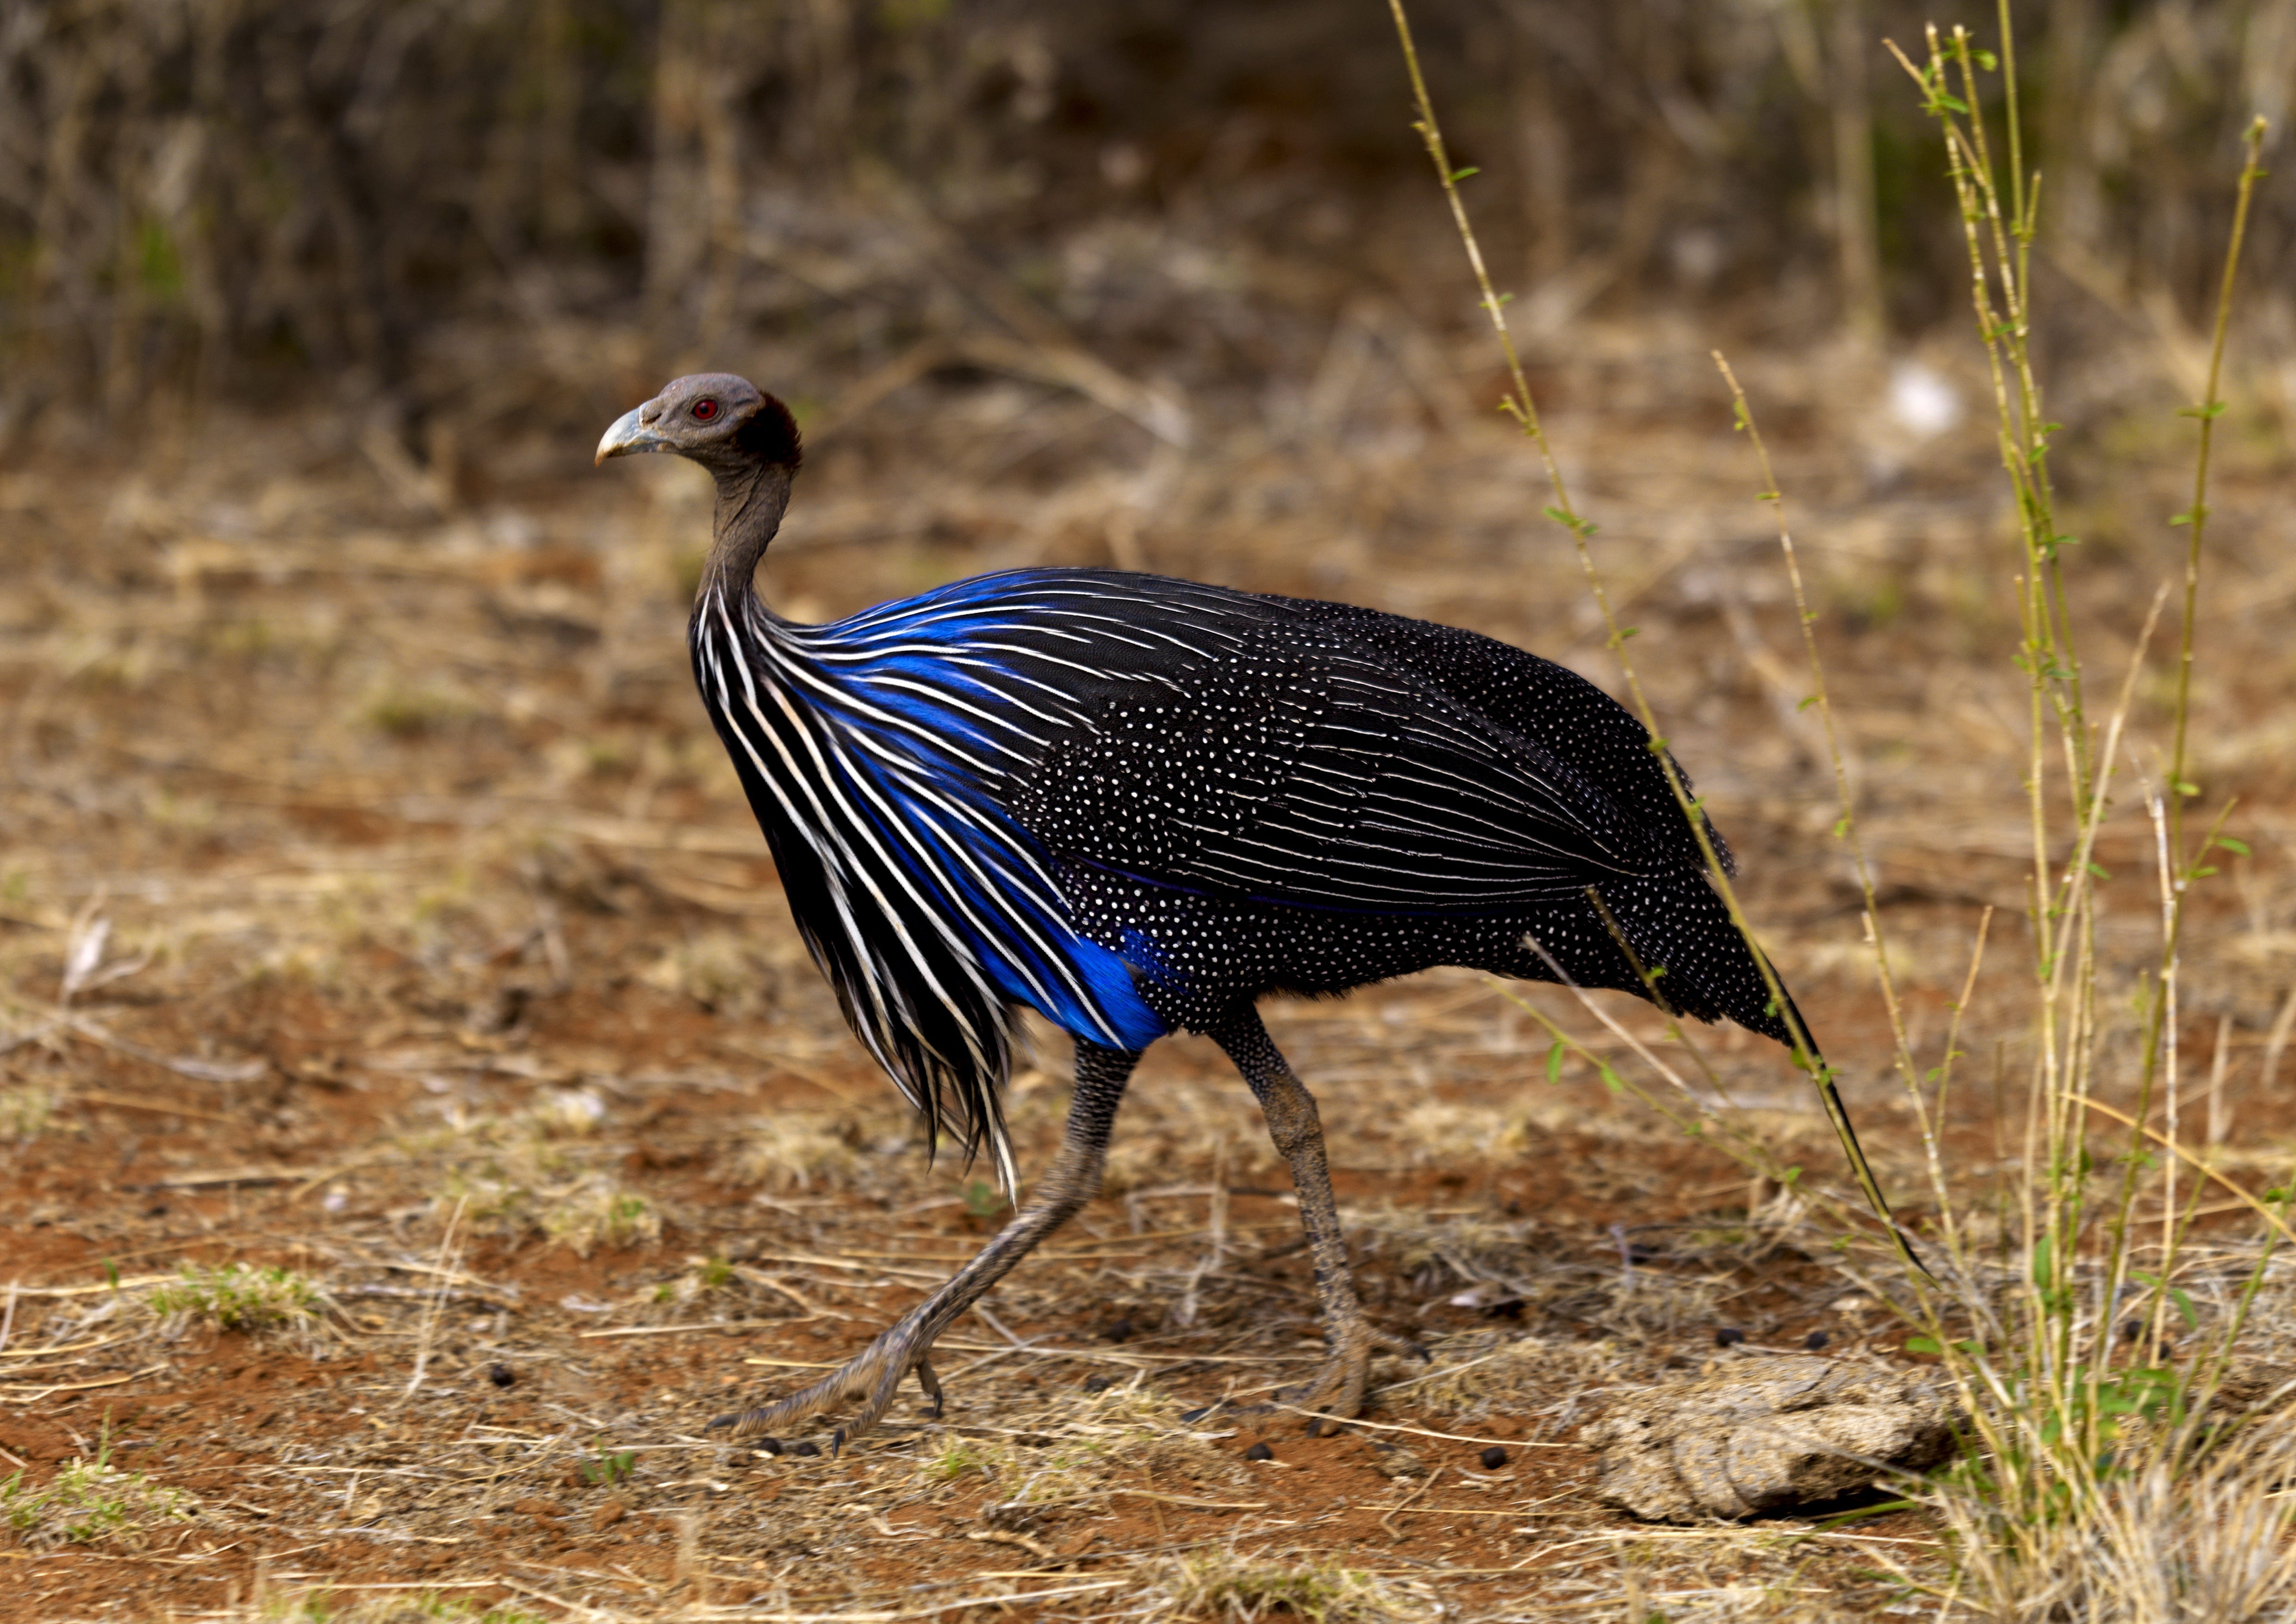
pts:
[704, 410]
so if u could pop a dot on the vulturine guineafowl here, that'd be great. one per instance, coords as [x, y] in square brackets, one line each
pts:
[1140, 805]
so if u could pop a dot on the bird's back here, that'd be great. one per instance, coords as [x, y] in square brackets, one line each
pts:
[1150, 737]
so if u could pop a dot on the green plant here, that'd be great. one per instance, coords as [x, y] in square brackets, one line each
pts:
[604, 1471]
[238, 1297]
[90, 1502]
[2075, 1423]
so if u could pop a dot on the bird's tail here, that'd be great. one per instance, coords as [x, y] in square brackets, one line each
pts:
[1806, 1054]
[1705, 967]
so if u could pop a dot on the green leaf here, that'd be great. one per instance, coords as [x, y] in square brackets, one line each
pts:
[1554, 1061]
[2230, 844]
[1458, 175]
[1988, 62]
[1581, 528]
[1806, 704]
[1609, 1078]
[1924, 1344]
[2212, 410]
[2098, 872]
[2183, 1303]
[2185, 787]
[1841, 826]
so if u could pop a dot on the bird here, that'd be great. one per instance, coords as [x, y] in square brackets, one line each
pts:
[1140, 805]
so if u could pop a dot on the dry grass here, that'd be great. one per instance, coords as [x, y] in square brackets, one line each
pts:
[1220, 1585]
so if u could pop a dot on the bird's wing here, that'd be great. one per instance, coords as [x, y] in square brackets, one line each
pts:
[1547, 704]
[1300, 766]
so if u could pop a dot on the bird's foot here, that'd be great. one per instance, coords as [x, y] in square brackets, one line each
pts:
[1336, 1391]
[867, 1382]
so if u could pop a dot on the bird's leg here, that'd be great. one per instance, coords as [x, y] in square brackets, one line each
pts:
[1298, 1131]
[870, 1378]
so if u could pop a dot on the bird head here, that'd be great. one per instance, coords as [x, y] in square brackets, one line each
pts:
[727, 424]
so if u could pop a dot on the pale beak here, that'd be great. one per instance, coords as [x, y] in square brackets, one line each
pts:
[628, 436]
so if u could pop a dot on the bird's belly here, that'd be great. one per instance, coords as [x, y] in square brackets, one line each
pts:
[1196, 957]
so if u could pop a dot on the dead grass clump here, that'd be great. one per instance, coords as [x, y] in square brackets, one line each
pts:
[1489, 1372]
[423, 1607]
[703, 1277]
[565, 1113]
[1437, 1253]
[597, 1212]
[91, 1502]
[529, 1174]
[1223, 1584]
[2145, 1544]
[1097, 1449]
[517, 1194]
[26, 1110]
[416, 713]
[1438, 1133]
[721, 970]
[801, 1151]
[251, 1298]
[1136, 1163]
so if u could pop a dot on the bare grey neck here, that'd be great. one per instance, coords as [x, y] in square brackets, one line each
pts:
[751, 503]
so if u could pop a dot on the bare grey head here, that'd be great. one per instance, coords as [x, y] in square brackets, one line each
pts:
[748, 441]
[727, 424]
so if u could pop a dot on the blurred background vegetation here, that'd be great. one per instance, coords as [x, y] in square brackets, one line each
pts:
[455, 215]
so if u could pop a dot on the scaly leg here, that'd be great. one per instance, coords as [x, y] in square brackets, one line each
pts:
[1298, 1131]
[872, 1377]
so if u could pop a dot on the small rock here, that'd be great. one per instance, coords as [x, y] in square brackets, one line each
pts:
[1493, 1458]
[1505, 1307]
[1767, 1434]
[1120, 1332]
[1395, 1461]
[769, 1445]
[1729, 1336]
[1259, 1452]
[608, 1514]
[1815, 1339]
[1098, 1385]
[1193, 1416]
[501, 1375]
[808, 1450]
[534, 1508]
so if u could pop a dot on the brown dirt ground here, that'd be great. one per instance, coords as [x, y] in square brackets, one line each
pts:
[418, 942]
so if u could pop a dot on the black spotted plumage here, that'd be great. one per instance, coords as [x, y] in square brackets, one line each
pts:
[1139, 804]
